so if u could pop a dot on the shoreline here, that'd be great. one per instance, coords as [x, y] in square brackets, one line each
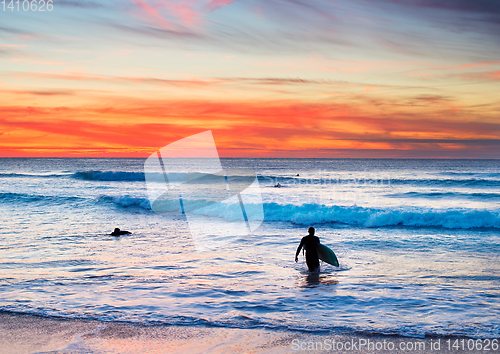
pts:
[25, 333]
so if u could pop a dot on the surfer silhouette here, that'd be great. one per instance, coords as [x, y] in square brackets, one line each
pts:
[118, 232]
[310, 243]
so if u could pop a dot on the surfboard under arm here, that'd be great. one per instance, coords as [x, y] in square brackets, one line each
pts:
[327, 255]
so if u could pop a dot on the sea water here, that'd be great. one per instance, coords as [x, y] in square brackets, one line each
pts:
[418, 243]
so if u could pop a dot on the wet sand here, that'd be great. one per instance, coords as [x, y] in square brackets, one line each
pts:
[35, 334]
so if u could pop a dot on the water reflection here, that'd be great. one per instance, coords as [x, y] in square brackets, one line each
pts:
[308, 279]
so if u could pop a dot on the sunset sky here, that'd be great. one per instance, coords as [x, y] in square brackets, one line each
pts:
[270, 78]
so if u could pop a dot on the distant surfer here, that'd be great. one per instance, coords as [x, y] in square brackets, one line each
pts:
[118, 232]
[277, 185]
[310, 243]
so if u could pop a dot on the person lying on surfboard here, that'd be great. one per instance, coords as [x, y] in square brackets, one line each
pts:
[118, 232]
[310, 243]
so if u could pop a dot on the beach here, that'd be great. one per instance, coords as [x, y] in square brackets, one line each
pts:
[23, 334]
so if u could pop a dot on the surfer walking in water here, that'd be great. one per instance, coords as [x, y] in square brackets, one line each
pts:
[310, 243]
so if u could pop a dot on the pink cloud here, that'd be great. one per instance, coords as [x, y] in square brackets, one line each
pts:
[258, 11]
[215, 4]
[29, 36]
[485, 75]
[153, 15]
[422, 75]
[184, 12]
[13, 45]
[148, 9]
[493, 62]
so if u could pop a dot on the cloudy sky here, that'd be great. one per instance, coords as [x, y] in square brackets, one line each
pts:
[270, 78]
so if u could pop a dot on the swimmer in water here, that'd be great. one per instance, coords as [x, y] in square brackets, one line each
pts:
[118, 232]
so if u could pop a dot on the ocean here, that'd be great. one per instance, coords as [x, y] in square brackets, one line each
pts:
[418, 243]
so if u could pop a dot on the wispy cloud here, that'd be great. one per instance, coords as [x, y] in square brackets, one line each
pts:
[216, 4]
[160, 32]
[13, 45]
[483, 76]
[81, 4]
[177, 15]
[50, 92]
[483, 63]
[478, 6]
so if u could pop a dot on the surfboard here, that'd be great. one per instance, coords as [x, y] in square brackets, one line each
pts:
[327, 255]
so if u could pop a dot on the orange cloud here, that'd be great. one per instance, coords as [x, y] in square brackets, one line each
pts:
[131, 127]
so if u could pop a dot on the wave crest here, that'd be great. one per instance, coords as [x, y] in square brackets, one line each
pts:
[307, 214]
